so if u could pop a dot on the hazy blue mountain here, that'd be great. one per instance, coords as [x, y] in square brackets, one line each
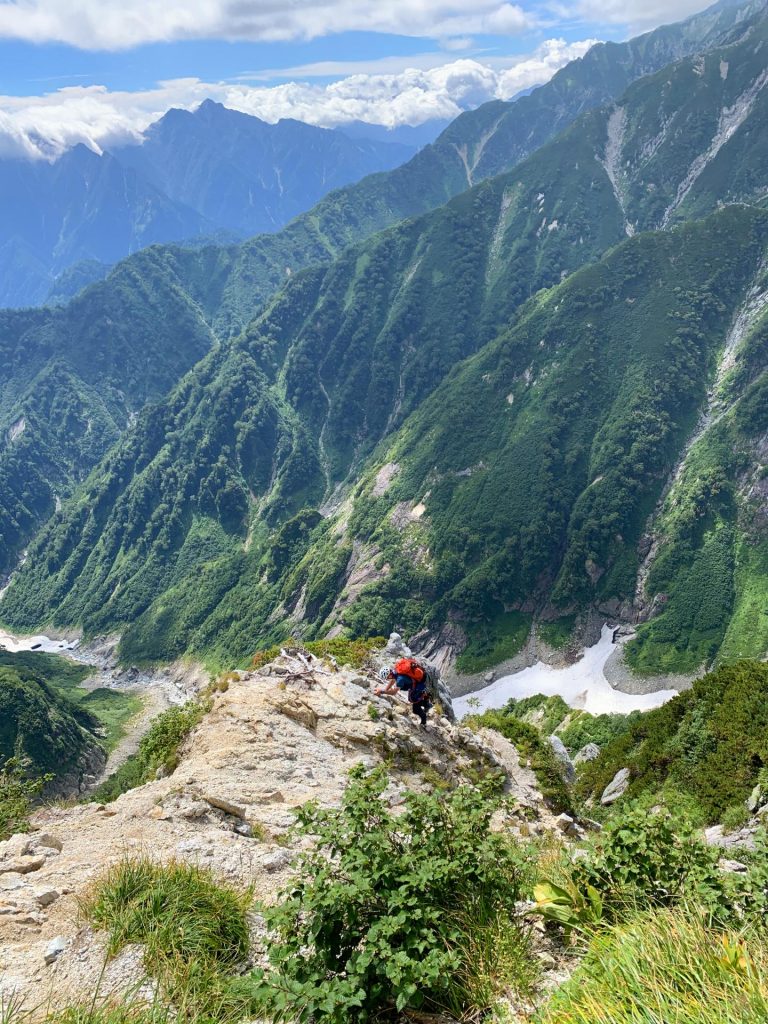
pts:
[195, 174]
[249, 176]
[82, 206]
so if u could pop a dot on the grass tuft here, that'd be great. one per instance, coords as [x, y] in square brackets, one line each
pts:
[194, 930]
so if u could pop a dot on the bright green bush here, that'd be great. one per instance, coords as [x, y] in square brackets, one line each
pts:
[388, 911]
[642, 858]
[708, 743]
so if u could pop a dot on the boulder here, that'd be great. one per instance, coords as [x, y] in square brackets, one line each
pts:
[54, 949]
[563, 758]
[588, 753]
[616, 788]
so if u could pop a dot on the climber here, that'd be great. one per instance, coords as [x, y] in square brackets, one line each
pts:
[407, 675]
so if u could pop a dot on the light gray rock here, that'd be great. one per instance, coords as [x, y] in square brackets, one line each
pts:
[46, 841]
[588, 753]
[222, 804]
[743, 839]
[276, 861]
[732, 866]
[54, 949]
[563, 758]
[616, 788]
[22, 865]
[755, 798]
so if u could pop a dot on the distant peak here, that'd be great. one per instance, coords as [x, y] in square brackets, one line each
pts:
[209, 106]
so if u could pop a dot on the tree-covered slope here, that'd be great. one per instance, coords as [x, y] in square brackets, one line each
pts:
[40, 725]
[225, 286]
[285, 414]
[707, 745]
[73, 378]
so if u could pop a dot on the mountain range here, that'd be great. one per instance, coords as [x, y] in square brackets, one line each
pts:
[518, 378]
[213, 173]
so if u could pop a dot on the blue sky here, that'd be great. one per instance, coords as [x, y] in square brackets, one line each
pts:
[94, 70]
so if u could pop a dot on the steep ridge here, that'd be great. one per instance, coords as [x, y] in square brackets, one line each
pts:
[73, 379]
[274, 740]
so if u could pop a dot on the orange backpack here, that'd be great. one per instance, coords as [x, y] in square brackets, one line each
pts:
[409, 667]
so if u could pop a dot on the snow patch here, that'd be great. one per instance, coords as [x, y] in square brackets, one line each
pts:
[582, 685]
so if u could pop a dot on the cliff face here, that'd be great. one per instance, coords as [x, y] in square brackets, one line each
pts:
[274, 740]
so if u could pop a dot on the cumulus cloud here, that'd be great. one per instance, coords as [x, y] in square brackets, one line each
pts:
[117, 24]
[44, 126]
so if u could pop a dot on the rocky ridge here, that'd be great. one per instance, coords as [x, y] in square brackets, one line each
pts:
[273, 739]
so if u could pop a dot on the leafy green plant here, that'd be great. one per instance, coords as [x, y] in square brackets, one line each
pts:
[382, 910]
[18, 792]
[568, 906]
[644, 858]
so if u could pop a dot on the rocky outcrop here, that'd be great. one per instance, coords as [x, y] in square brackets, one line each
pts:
[275, 739]
[563, 758]
[616, 788]
[590, 752]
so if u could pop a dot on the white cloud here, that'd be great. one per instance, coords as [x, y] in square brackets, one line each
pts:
[634, 15]
[119, 24]
[44, 126]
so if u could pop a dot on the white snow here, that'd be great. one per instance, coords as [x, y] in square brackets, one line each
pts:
[14, 644]
[582, 685]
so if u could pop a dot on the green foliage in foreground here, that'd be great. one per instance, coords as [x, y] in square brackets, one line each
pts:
[533, 747]
[158, 750]
[18, 793]
[668, 966]
[193, 929]
[386, 910]
[708, 743]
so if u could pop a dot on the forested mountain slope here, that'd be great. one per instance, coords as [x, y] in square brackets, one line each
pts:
[557, 436]
[219, 289]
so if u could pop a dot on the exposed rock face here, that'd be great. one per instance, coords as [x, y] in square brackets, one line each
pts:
[275, 739]
[616, 788]
[588, 753]
[563, 758]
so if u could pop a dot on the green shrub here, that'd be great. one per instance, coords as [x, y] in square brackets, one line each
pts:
[533, 747]
[17, 795]
[389, 911]
[194, 930]
[644, 858]
[708, 743]
[158, 750]
[667, 967]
